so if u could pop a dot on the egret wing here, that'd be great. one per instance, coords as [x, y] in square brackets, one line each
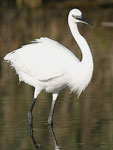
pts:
[43, 59]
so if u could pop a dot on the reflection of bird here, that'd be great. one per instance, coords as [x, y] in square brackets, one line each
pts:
[47, 65]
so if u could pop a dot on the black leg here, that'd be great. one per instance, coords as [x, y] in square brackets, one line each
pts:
[50, 127]
[50, 122]
[30, 118]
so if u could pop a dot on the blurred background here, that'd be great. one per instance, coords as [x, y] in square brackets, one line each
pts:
[84, 124]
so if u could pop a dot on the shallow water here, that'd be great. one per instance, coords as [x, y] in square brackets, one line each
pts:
[84, 124]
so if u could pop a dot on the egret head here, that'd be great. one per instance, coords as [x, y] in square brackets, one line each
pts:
[75, 15]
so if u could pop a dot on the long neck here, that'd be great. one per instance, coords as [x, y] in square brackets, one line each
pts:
[86, 53]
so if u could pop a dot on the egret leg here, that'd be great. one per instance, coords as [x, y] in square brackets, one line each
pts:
[53, 137]
[50, 121]
[30, 118]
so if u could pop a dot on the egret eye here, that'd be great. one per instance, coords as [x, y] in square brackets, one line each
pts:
[74, 16]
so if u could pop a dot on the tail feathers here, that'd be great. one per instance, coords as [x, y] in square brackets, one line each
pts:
[9, 56]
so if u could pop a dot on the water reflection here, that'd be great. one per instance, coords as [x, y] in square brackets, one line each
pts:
[84, 124]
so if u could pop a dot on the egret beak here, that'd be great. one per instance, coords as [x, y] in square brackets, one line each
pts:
[83, 20]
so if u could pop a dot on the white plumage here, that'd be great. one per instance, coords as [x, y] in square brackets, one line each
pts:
[46, 64]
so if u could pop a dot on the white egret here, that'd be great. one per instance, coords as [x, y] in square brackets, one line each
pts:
[47, 65]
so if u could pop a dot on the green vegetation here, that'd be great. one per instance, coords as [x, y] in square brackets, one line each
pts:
[39, 3]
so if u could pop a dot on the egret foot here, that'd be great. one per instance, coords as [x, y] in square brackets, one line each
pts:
[57, 148]
[50, 122]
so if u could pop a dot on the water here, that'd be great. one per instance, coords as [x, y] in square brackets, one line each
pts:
[84, 124]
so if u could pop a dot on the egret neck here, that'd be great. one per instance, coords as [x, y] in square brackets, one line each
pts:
[86, 53]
